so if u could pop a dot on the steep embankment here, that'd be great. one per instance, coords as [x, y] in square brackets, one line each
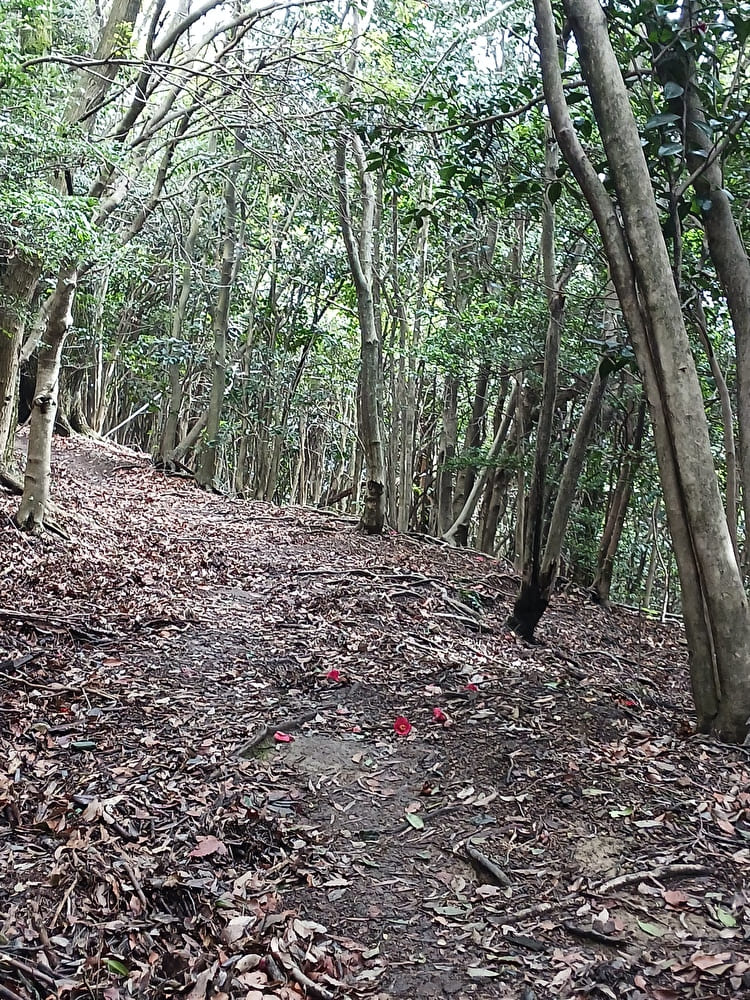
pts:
[202, 788]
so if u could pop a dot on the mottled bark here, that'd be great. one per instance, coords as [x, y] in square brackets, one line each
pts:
[36, 487]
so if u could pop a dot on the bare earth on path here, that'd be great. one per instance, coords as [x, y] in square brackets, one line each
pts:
[202, 793]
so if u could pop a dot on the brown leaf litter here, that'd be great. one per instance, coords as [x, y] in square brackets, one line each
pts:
[202, 793]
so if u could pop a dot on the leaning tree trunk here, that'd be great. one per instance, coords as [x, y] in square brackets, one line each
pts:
[36, 486]
[446, 456]
[458, 533]
[534, 596]
[531, 601]
[715, 607]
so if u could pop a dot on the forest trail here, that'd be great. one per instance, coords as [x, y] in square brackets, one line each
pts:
[556, 831]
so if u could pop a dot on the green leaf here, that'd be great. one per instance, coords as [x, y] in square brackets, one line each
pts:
[474, 972]
[663, 118]
[725, 917]
[554, 191]
[416, 821]
[655, 930]
[672, 90]
[115, 965]
[669, 149]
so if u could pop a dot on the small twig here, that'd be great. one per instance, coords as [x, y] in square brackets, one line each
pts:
[52, 960]
[299, 976]
[62, 902]
[286, 726]
[8, 994]
[14, 664]
[136, 885]
[30, 970]
[487, 865]
[528, 911]
[591, 935]
[661, 872]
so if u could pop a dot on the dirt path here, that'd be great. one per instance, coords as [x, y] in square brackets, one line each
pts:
[204, 794]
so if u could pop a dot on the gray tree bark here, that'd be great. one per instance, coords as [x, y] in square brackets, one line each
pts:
[714, 603]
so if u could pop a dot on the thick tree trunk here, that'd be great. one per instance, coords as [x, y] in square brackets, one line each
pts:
[714, 602]
[36, 486]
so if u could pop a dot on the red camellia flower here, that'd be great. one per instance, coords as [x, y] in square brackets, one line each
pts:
[439, 715]
[401, 725]
[334, 675]
[283, 737]
[470, 687]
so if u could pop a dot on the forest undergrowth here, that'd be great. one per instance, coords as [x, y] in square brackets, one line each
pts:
[249, 753]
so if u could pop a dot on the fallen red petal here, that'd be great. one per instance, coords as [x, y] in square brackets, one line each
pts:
[402, 725]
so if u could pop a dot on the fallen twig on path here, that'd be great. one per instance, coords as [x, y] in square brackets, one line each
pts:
[662, 871]
[486, 864]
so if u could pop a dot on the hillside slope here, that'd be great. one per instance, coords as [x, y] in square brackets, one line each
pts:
[203, 793]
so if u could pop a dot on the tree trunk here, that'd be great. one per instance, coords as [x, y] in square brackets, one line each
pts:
[19, 281]
[468, 472]
[205, 472]
[359, 254]
[531, 602]
[676, 64]
[458, 532]
[36, 486]
[169, 433]
[714, 603]
[618, 509]
[446, 456]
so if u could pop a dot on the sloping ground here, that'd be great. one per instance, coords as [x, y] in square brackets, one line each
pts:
[202, 792]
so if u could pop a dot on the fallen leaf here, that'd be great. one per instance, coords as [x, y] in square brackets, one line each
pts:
[655, 930]
[208, 845]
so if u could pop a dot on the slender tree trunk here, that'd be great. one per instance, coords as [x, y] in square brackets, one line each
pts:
[727, 424]
[205, 472]
[618, 509]
[532, 601]
[460, 527]
[36, 487]
[359, 253]
[169, 432]
[446, 456]
[472, 440]
[569, 481]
